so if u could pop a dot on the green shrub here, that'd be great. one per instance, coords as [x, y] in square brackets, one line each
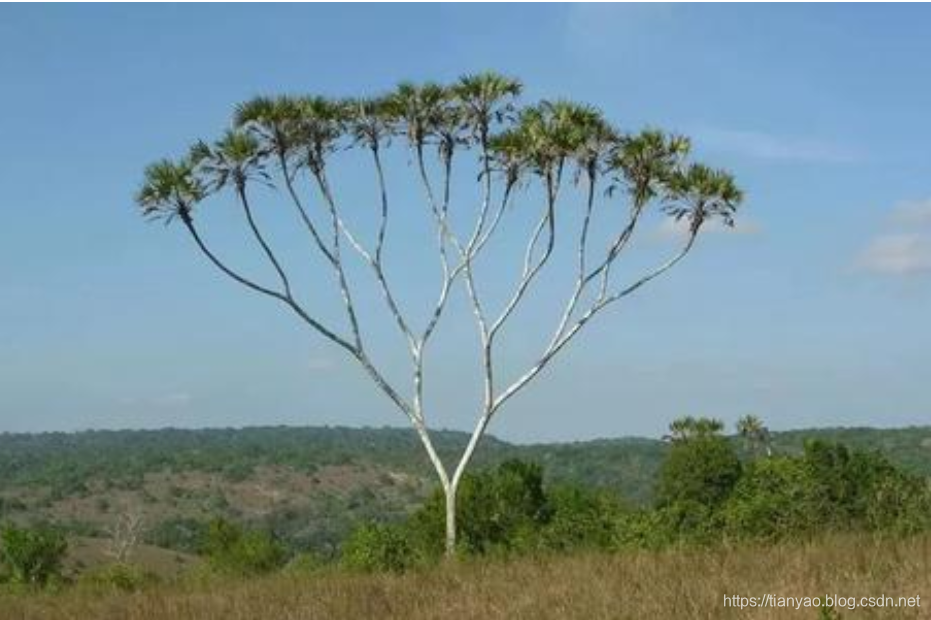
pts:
[702, 469]
[376, 547]
[774, 499]
[498, 510]
[32, 556]
[581, 519]
[304, 563]
[179, 534]
[231, 550]
[116, 577]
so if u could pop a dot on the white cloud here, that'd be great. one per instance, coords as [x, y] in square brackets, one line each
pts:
[905, 250]
[913, 213]
[765, 146]
[898, 254]
[671, 228]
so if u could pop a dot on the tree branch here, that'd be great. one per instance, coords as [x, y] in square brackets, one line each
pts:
[283, 298]
[559, 340]
[302, 212]
[241, 192]
[345, 291]
[529, 273]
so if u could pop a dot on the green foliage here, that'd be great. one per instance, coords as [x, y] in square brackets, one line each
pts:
[375, 547]
[32, 556]
[828, 488]
[116, 577]
[231, 550]
[827, 612]
[774, 499]
[581, 518]
[304, 563]
[807, 490]
[178, 533]
[702, 468]
[497, 510]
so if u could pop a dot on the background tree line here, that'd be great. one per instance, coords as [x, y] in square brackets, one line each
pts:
[710, 489]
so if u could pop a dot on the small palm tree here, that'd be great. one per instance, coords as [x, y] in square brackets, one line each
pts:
[422, 110]
[170, 190]
[486, 99]
[700, 193]
[233, 160]
[646, 162]
[755, 434]
[688, 427]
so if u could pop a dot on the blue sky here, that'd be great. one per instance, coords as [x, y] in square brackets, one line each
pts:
[814, 312]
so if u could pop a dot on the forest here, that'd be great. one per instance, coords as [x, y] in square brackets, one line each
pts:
[363, 499]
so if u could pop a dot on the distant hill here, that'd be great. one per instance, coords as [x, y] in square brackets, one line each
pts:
[311, 484]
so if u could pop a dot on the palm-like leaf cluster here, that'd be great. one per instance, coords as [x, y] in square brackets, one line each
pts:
[699, 193]
[234, 159]
[171, 189]
[518, 143]
[689, 427]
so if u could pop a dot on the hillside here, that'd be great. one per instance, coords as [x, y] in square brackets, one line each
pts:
[310, 485]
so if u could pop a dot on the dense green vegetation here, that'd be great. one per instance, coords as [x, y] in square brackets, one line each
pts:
[332, 479]
[67, 461]
[706, 494]
[31, 556]
[709, 488]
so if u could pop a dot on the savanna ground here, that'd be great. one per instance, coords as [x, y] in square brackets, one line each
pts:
[669, 584]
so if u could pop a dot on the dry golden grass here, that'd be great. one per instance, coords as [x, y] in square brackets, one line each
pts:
[665, 585]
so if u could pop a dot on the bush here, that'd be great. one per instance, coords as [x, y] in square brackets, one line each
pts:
[231, 550]
[116, 577]
[179, 534]
[581, 519]
[32, 556]
[304, 563]
[376, 547]
[703, 470]
[499, 510]
[774, 499]
[901, 506]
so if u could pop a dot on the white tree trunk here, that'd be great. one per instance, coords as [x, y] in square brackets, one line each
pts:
[450, 492]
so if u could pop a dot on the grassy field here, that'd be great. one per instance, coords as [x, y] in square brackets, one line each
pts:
[663, 585]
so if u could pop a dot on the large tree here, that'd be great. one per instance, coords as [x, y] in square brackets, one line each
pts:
[542, 155]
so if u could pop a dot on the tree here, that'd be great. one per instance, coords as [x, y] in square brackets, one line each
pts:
[701, 467]
[536, 154]
[124, 534]
[755, 434]
[688, 427]
[32, 555]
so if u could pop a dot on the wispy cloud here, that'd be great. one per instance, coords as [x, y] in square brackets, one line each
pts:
[906, 249]
[777, 148]
[913, 213]
[899, 254]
